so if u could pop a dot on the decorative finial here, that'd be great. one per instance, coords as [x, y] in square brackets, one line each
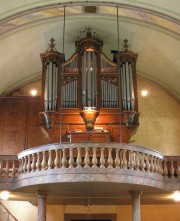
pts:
[126, 45]
[52, 45]
[88, 32]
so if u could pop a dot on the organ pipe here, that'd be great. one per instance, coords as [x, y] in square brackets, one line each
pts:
[127, 86]
[69, 88]
[89, 79]
[128, 83]
[109, 93]
[52, 62]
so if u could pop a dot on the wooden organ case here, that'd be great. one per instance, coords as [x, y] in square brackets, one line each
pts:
[89, 80]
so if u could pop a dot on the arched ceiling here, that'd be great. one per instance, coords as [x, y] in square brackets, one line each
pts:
[152, 28]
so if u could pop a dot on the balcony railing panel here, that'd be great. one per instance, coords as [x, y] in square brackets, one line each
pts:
[87, 155]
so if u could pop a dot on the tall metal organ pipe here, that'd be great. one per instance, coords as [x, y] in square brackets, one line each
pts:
[50, 94]
[127, 88]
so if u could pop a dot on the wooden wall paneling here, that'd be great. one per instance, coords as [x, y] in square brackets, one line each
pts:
[13, 140]
[34, 107]
[55, 133]
[124, 131]
[108, 118]
[36, 132]
[115, 133]
[14, 112]
[13, 123]
[68, 118]
[37, 136]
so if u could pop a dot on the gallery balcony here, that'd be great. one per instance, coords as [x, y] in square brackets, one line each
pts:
[76, 172]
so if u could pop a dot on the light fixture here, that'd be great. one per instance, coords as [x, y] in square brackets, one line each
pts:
[33, 92]
[176, 196]
[4, 195]
[144, 93]
[89, 115]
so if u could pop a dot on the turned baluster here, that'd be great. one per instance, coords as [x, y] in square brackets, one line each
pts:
[121, 158]
[165, 170]
[33, 165]
[38, 163]
[1, 170]
[19, 168]
[142, 166]
[171, 171]
[71, 158]
[136, 161]
[178, 169]
[7, 168]
[79, 159]
[13, 170]
[94, 159]
[155, 165]
[124, 160]
[50, 160]
[147, 167]
[86, 159]
[151, 164]
[64, 159]
[43, 163]
[29, 164]
[57, 161]
[160, 167]
[22, 165]
[25, 165]
[131, 159]
[102, 159]
[110, 159]
[117, 159]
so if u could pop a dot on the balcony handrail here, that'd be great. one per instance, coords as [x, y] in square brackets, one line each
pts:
[8, 157]
[102, 155]
[116, 145]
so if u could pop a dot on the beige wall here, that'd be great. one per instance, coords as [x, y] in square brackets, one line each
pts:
[121, 213]
[159, 127]
[24, 211]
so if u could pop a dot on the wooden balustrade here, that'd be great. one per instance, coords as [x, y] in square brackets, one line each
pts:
[114, 156]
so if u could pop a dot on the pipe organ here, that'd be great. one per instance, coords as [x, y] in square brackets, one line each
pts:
[90, 79]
